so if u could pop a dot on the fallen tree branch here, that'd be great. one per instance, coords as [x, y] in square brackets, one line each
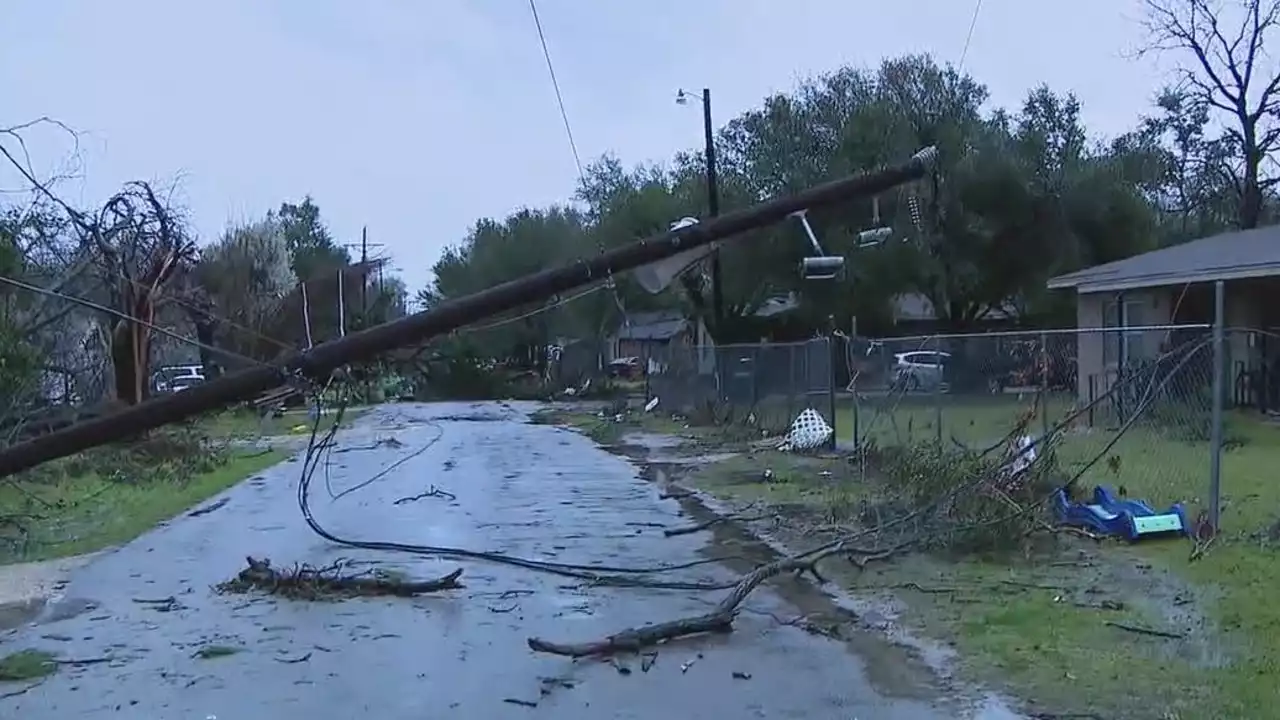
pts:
[1138, 630]
[718, 620]
[433, 492]
[310, 583]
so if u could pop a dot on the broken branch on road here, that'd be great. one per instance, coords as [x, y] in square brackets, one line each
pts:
[718, 620]
[433, 492]
[306, 582]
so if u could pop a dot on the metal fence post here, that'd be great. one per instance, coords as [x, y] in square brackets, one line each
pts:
[755, 375]
[793, 382]
[831, 386]
[1215, 432]
[937, 390]
[1044, 386]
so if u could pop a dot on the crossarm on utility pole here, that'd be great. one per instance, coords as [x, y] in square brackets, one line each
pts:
[448, 316]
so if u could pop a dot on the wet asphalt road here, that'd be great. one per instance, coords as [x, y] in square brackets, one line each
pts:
[523, 489]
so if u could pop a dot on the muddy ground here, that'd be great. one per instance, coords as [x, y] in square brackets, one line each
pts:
[1080, 628]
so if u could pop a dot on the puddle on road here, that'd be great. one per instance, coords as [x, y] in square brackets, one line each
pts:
[16, 614]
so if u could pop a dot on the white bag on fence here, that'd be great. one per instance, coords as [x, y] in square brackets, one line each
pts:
[808, 431]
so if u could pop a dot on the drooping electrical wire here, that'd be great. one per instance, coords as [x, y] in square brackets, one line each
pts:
[973, 23]
[555, 84]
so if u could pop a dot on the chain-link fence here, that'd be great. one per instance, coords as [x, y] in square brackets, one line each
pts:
[1126, 408]
[767, 384]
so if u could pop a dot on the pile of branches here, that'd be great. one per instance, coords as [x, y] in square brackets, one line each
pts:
[960, 500]
[332, 582]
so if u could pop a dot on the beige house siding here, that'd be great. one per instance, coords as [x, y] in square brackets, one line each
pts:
[1095, 369]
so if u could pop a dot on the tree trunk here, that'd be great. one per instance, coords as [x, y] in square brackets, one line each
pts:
[124, 364]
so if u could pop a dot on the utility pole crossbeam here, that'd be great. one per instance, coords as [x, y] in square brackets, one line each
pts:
[324, 358]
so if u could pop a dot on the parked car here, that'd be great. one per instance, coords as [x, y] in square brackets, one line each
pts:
[177, 378]
[920, 370]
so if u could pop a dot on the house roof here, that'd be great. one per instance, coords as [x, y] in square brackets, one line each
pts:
[1230, 256]
[914, 306]
[662, 325]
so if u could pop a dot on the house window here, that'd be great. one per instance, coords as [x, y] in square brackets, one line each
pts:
[1121, 347]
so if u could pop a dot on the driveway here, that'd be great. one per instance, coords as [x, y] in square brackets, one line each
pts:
[517, 488]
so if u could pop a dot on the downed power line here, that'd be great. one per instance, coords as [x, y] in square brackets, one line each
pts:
[451, 315]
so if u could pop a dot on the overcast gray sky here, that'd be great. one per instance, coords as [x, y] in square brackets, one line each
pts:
[417, 118]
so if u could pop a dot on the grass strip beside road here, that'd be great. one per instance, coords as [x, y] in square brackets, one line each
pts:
[75, 514]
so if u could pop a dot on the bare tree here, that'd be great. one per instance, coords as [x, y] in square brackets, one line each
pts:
[142, 245]
[1224, 65]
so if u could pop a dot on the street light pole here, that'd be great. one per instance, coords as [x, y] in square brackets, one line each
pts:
[713, 205]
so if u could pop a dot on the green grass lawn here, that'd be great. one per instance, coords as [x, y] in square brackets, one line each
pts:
[67, 514]
[247, 424]
[1028, 635]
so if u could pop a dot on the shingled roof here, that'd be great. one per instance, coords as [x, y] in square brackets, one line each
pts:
[662, 325]
[1229, 256]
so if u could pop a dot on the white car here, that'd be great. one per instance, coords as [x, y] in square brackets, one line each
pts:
[176, 378]
[920, 370]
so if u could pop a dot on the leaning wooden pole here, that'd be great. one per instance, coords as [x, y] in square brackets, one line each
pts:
[452, 315]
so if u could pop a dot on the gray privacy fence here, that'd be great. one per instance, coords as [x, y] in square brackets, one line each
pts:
[768, 384]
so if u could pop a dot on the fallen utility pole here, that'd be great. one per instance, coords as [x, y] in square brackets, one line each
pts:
[448, 316]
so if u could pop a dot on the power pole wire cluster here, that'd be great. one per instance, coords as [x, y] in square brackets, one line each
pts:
[317, 363]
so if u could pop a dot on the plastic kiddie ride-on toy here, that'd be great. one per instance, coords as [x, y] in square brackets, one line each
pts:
[1107, 514]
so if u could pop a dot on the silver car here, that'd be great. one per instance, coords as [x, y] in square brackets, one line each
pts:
[920, 370]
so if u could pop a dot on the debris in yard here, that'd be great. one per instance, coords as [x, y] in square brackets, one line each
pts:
[209, 508]
[684, 666]
[432, 492]
[209, 652]
[649, 406]
[647, 661]
[808, 431]
[739, 675]
[305, 582]
[168, 604]
[1144, 631]
[518, 701]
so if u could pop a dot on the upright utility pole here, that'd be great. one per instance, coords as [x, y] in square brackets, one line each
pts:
[713, 204]
[713, 194]
[364, 286]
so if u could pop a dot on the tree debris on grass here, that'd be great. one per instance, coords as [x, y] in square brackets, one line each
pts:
[306, 582]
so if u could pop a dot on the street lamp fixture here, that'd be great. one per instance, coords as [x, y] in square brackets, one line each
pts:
[682, 97]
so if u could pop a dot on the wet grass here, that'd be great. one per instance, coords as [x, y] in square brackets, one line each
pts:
[71, 514]
[1236, 577]
[245, 424]
[1034, 627]
[26, 665]
[605, 429]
